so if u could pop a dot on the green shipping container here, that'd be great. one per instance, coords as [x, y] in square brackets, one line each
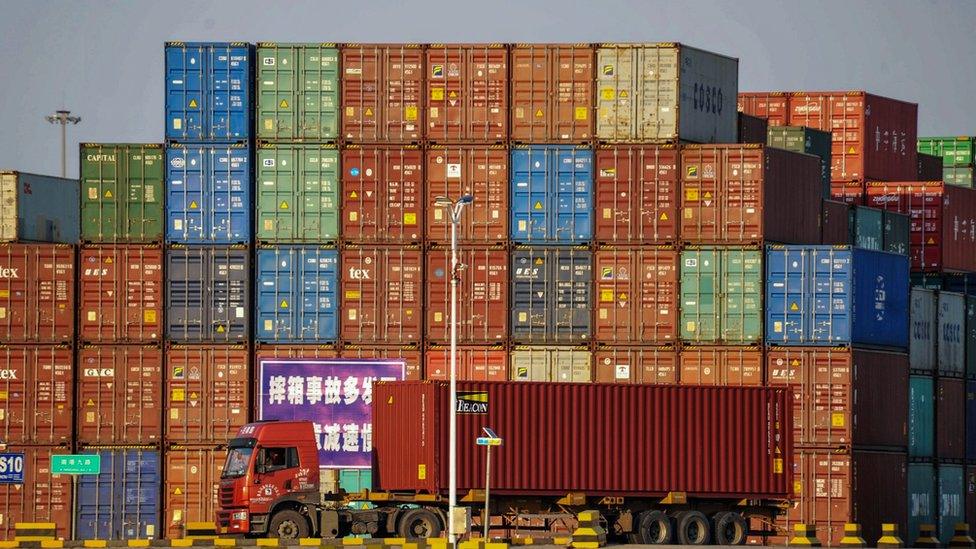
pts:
[955, 151]
[297, 193]
[721, 295]
[897, 232]
[867, 226]
[298, 92]
[960, 176]
[921, 416]
[804, 140]
[122, 193]
[952, 499]
[921, 498]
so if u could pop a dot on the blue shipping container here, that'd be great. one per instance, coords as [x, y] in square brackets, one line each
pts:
[297, 289]
[122, 501]
[208, 194]
[208, 91]
[552, 194]
[834, 295]
[550, 295]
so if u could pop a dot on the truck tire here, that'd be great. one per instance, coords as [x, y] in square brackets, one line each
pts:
[729, 528]
[419, 524]
[288, 524]
[694, 528]
[655, 528]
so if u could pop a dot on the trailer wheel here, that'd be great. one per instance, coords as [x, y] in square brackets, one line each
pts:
[288, 524]
[730, 528]
[418, 524]
[694, 528]
[655, 528]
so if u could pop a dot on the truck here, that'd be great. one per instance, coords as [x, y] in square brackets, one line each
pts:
[661, 463]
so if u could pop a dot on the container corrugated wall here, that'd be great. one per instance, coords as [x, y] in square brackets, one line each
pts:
[208, 194]
[122, 192]
[297, 92]
[296, 293]
[296, 194]
[551, 295]
[552, 194]
[208, 297]
[27, 212]
[42, 497]
[721, 295]
[122, 501]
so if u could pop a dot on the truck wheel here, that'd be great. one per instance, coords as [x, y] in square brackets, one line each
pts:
[730, 528]
[288, 524]
[655, 528]
[694, 528]
[418, 524]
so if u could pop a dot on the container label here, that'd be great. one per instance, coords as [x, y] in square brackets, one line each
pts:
[410, 112]
[580, 113]
[453, 171]
[472, 403]
[622, 371]
[268, 61]
[837, 419]
[437, 94]
[422, 471]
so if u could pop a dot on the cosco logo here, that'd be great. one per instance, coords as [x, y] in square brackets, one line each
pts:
[708, 99]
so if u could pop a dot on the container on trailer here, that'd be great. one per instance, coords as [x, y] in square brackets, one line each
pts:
[970, 420]
[665, 92]
[771, 106]
[921, 416]
[897, 232]
[551, 296]
[208, 194]
[482, 295]
[552, 93]
[752, 129]
[950, 416]
[207, 395]
[971, 338]
[120, 293]
[565, 364]
[122, 192]
[474, 363]
[954, 151]
[636, 194]
[749, 194]
[36, 394]
[119, 389]
[411, 355]
[835, 227]
[959, 176]
[923, 331]
[551, 194]
[382, 93]
[208, 91]
[466, 93]
[382, 194]
[479, 171]
[42, 497]
[636, 295]
[922, 498]
[37, 293]
[951, 339]
[929, 166]
[641, 365]
[122, 500]
[832, 295]
[190, 491]
[29, 212]
[296, 193]
[868, 228]
[851, 192]
[739, 365]
[382, 294]
[805, 140]
[951, 483]
[297, 92]
[297, 289]
[208, 293]
[354, 481]
[721, 295]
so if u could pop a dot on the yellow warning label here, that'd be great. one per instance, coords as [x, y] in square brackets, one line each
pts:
[778, 327]
[353, 195]
[438, 316]
[220, 328]
[368, 112]
[409, 218]
[410, 112]
[796, 362]
[193, 396]
[149, 316]
[606, 296]
[794, 306]
[777, 466]
[193, 205]
[177, 492]
[708, 195]
[690, 326]
[930, 241]
[350, 111]
[622, 296]
[174, 413]
[421, 471]
[90, 417]
[283, 205]
[90, 402]
[664, 216]
[283, 104]
[580, 113]
[837, 419]
[623, 94]
[604, 314]
[108, 193]
[352, 294]
[269, 123]
[178, 395]
[437, 94]
[523, 317]
[537, 206]
[353, 216]
[607, 213]
[193, 103]
[538, 261]
[691, 195]
[539, 113]
[284, 304]
[108, 260]
[607, 94]
[452, 95]
[850, 150]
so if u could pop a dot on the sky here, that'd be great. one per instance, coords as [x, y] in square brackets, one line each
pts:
[103, 59]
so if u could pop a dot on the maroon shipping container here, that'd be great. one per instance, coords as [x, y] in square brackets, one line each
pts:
[552, 93]
[207, 393]
[120, 388]
[474, 363]
[382, 194]
[748, 194]
[190, 491]
[721, 365]
[595, 439]
[639, 365]
[774, 107]
[37, 293]
[637, 295]
[835, 228]
[849, 192]
[844, 397]
[636, 194]
[382, 299]
[929, 168]
[874, 137]
[36, 394]
[477, 170]
[411, 355]
[42, 497]
[950, 419]
[467, 93]
[120, 289]
[752, 129]
[382, 93]
[482, 295]
[294, 351]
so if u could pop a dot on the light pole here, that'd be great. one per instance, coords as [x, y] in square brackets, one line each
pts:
[64, 118]
[453, 209]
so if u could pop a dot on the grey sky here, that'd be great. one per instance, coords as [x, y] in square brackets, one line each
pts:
[104, 59]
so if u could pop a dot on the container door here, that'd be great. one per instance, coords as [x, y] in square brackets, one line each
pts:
[868, 228]
[185, 78]
[530, 199]
[786, 288]
[530, 275]
[921, 417]
[742, 275]
[951, 499]
[830, 293]
[921, 497]
[657, 93]
[700, 282]
[615, 93]
[571, 279]
[229, 89]
[971, 338]
[8, 207]
[573, 195]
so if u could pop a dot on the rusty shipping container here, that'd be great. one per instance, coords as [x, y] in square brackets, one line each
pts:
[120, 293]
[644, 365]
[474, 363]
[734, 365]
[207, 395]
[752, 129]
[950, 419]
[480, 171]
[636, 194]
[482, 295]
[551, 363]
[466, 93]
[190, 490]
[835, 225]
[411, 355]
[382, 93]
[37, 293]
[42, 497]
[382, 194]
[119, 391]
[382, 294]
[774, 107]
[749, 194]
[552, 93]
[36, 394]
[636, 295]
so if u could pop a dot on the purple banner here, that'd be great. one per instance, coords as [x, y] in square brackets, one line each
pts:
[334, 394]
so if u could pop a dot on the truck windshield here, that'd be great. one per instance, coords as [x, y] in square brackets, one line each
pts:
[238, 458]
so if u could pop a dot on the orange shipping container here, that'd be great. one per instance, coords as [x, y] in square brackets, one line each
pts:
[774, 107]
[121, 293]
[382, 194]
[482, 363]
[482, 295]
[382, 93]
[640, 365]
[382, 300]
[207, 393]
[37, 293]
[42, 497]
[637, 295]
[716, 365]
[552, 93]
[36, 394]
[190, 493]
[410, 355]
[119, 391]
[467, 93]
[636, 194]
[477, 170]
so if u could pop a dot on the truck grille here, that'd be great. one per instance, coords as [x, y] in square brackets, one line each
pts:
[226, 495]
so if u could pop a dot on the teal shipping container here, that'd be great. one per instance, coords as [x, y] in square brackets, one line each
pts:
[921, 498]
[804, 140]
[897, 232]
[721, 295]
[867, 224]
[921, 416]
[952, 499]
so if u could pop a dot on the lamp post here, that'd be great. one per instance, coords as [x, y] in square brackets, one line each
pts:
[64, 118]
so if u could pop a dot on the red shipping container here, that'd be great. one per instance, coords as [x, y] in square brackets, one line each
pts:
[844, 397]
[747, 194]
[873, 137]
[482, 295]
[721, 365]
[477, 170]
[636, 194]
[774, 107]
[294, 351]
[121, 292]
[752, 129]
[42, 497]
[411, 355]
[382, 194]
[382, 93]
[482, 363]
[36, 394]
[584, 439]
[381, 294]
[552, 93]
[835, 228]
[849, 192]
[190, 493]
[929, 168]
[119, 391]
[207, 393]
[640, 365]
[37, 293]
[943, 222]
[950, 416]
[467, 93]
[637, 295]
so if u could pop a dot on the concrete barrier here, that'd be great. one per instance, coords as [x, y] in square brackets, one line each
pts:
[805, 535]
[889, 536]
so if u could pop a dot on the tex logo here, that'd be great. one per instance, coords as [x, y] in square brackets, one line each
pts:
[437, 71]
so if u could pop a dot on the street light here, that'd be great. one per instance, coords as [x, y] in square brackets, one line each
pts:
[64, 118]
[454, 209]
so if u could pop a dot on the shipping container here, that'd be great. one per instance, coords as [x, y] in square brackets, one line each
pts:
[970, 421]
[873, 136]
[273, 351]
[466, 93]
[953, 282]
[959, 176]
[923, 330]
[565, 364]
[479, 171]
[835, 228]
[929, 167]
[29, 212]
[382, 93]
[868, 228]
[120, 293]
[297, 194]
[951, 342]
[739, 365]
[971, 338]
[921, 417]
[474, 363]
[851, 192]
[42, 497]
[665, 92]
[636, 295]
[829, 295]
[207, 396]
[897, 232]
[752, 129]
[296, 289]
[954, 151]
[952, 499]
[552, 93]
[297, 92]
[749, 194]
[122, 193]
[950, 419]
[208, 294]
[122, 500]
[208, 91]
[552, 194]
[208, 194]
[970, 503]
[721, 295]
[805, 140]
[643, 365]
[37, 392]
[551, 296]
[483, 286]
[382, 194]
[190, 492]
[636, 194]
[771, 106]
[118, 394]
[37, 293]
[382, 294]
[922, 499]
[411, 355]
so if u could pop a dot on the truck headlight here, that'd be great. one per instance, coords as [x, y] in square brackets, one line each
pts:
[239, 515]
